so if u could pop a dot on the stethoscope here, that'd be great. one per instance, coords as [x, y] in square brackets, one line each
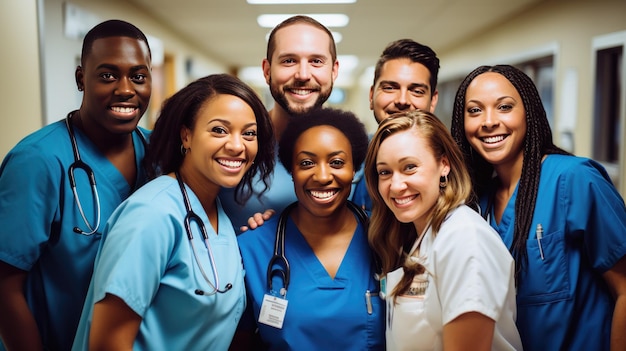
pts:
[79, 164]
[279, 259]
[192, 216]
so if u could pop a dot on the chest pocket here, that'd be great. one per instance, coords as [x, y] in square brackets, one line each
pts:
[407, 325]
[545, 280]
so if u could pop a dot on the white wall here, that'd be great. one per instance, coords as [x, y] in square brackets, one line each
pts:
[20, 96]
[61, 53]
[566, 27]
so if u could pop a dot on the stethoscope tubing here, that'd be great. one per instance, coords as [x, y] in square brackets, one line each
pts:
[192, 216]
[279, 256]
[80, 164]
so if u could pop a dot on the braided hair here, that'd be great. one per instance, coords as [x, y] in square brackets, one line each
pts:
[537, 143]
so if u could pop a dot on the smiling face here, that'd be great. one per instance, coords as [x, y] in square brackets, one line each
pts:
[223, 142]
[302, 71]
[495, 120]
[117, 82]
[322, 170]
[408, 176]
[403, 85]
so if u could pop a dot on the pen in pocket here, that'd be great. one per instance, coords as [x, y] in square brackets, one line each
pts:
[539, 234]
[368, 302]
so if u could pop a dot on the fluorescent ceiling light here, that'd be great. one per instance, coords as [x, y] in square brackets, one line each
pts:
[347, 63]
[337, 36]
[299, 2]
[327, 19]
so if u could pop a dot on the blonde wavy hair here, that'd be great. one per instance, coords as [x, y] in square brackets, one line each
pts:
[390, 239]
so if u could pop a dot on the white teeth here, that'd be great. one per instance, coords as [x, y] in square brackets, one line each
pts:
[493, 139]
[123, 109]
[301, 91]
[404, 200]
[230, 164]
[323, 194]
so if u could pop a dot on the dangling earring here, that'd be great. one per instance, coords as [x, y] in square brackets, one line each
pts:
[183, 150]
[443, 181]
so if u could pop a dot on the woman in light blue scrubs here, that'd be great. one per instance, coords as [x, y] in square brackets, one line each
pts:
[168, 275]
[327, 297]
[560, 215]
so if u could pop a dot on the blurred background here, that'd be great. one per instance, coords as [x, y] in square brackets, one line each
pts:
[573, 50]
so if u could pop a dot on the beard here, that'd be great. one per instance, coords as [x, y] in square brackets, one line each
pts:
[280, 97]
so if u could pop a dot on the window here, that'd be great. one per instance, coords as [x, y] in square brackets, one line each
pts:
[541, 71]
[608, 89]
[609, 110]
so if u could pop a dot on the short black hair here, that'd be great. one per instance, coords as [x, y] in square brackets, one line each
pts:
[344, 121]
[111, 28]
[414, 51]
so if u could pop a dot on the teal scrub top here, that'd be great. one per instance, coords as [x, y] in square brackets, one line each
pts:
[38, 214]
[563, 301]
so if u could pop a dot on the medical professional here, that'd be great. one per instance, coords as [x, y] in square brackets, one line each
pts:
[446, 276]
[300, 68]
[309, 270]
[168, 275]
[405, 79]
[51, 216]
[559, 215]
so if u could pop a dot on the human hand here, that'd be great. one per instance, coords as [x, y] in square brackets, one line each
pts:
[257, 220]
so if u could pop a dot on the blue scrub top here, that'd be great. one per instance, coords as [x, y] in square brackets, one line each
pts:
[361, 197]
[37, 217]
[322, 313]
[563, 301]
[146, 260]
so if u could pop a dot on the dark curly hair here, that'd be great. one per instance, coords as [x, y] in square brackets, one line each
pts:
[181, 110]
[537, 143]
[344, 121]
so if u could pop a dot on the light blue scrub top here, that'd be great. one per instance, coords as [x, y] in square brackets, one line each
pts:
[563, 302]
[279, 195]
[146, 260]
[37, 217]
[322, 313]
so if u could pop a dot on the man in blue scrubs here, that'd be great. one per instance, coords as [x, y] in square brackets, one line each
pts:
[49, 240]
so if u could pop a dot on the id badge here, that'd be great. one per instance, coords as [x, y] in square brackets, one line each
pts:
[273, 311]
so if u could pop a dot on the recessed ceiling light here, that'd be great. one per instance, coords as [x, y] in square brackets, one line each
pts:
[327, 19]
[299, 2]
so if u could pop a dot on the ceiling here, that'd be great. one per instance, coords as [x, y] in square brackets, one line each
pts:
[227, 30]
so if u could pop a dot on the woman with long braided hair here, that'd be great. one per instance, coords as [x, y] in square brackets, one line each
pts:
[560, 215]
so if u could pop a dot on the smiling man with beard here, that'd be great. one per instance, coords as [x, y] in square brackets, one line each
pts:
[300, 68]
